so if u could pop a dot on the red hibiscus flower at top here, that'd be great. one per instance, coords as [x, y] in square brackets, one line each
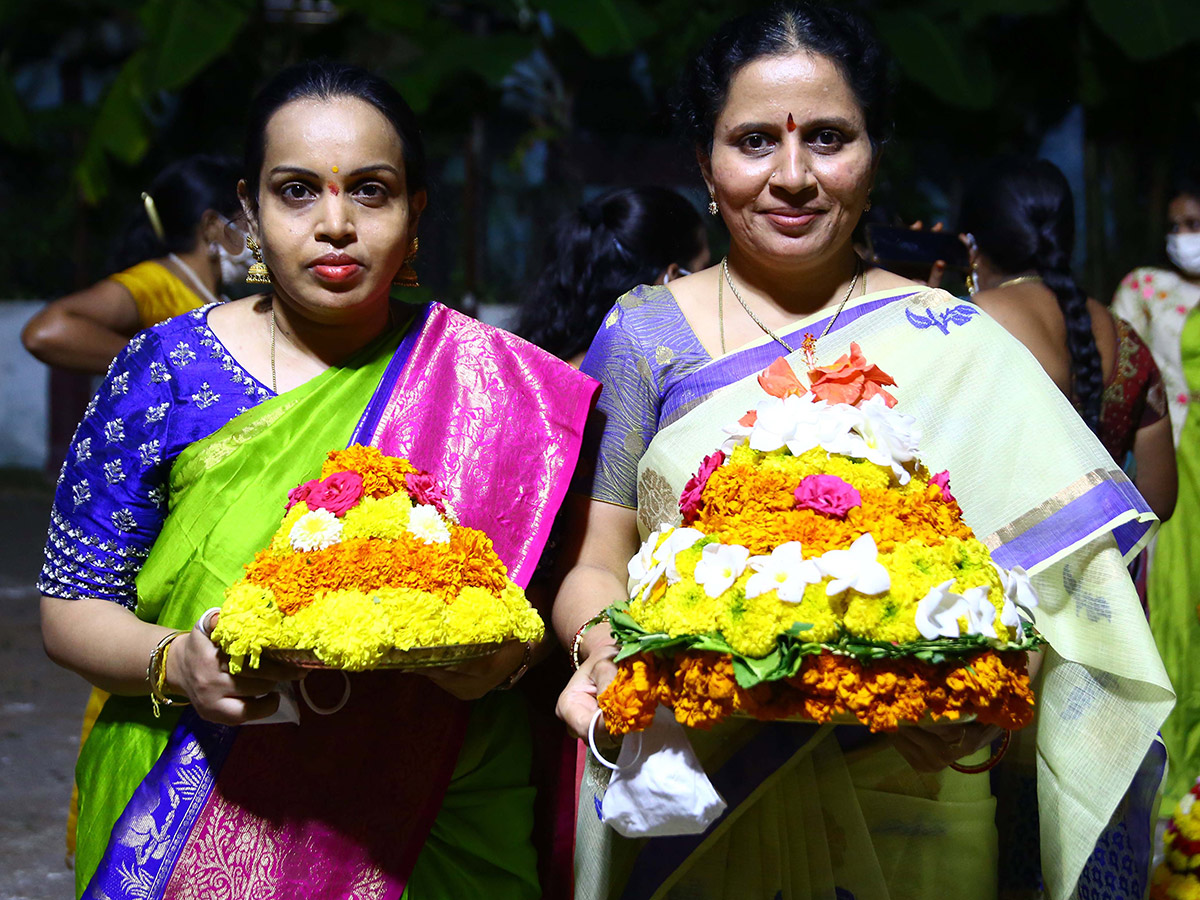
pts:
[851, 380]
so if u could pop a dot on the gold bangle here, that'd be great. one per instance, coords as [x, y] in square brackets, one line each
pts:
[156, 675]
[519, 672]
[988, 763]
[578, 641]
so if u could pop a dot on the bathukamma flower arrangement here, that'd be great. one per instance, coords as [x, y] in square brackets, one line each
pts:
[370, 560]
[820, 572]
[1178, 875]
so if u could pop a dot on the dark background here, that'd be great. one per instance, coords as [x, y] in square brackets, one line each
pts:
[529, 106]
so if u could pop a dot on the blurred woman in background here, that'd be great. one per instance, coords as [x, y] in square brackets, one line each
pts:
[173, 259]
[1156, 301]
[1020, 219]
[623, 238]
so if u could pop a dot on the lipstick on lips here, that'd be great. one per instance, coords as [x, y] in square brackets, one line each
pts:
[335, 267]
[791, 217]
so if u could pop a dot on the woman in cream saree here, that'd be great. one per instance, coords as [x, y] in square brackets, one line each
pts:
[832, 812]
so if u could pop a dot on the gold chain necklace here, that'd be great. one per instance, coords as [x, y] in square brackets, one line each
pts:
[274, 389]
[1020, 279]
[810, 342]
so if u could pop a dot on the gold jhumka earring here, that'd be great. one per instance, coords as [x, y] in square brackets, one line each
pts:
[407, 276]
[258, 272]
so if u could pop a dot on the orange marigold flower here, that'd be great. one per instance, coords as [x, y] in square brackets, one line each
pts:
[630, 700]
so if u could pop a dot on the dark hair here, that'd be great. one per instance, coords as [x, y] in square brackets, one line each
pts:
[594, 255]
[1184, 184]
[182, 193]
[324, 79]
[842, 36]
[1022, 216]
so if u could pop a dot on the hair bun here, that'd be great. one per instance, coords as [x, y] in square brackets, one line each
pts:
[592, 214]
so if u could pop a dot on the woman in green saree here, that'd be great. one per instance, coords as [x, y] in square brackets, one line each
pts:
[786, 108]
[179, 474]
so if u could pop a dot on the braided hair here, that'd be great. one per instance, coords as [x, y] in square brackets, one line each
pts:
[595, 254]
[1022, 216]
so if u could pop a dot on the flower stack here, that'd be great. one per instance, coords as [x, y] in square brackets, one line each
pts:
[370, 559]
[820, 572]
[1176, 878]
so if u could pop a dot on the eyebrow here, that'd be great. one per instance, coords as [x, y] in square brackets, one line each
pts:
[826, 121]
[361, 170]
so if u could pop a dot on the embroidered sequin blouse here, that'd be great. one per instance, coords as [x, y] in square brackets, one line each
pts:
[173, 384]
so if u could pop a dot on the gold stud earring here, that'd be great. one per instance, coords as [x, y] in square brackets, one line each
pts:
[258, 272]
[407, 276]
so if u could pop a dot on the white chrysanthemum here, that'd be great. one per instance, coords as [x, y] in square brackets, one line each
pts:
[938, 612]
[785, 571]
[315, 530]
[719, 567]
[858, 568]
[426, 525]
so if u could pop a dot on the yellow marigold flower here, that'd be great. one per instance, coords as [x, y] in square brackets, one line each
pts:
[385, 518]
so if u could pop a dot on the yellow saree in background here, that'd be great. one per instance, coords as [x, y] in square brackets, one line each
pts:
[839, 818]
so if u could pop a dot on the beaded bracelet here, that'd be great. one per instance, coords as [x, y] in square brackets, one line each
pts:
[578, 642]
[988, 763]
[156, 675]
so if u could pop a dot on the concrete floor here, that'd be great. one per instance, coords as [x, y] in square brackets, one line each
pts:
[40, 709]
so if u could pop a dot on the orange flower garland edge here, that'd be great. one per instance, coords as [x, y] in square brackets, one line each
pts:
[884, 694]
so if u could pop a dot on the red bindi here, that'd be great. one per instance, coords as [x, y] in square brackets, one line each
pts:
[333, 188]
[791, 123]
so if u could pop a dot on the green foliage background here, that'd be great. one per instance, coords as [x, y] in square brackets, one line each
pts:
[529, 105]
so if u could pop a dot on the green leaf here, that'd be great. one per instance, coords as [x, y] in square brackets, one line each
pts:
[14, 123]
[184, 36]
[1147, 29]
[405, 16]
[121, 130]
[937, 55]
[604, 27]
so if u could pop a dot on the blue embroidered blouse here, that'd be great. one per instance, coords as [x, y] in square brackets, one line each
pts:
[173, 384]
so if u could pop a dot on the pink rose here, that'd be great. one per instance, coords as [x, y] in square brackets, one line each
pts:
[337, 493]
[942, 480]
[423, 488]
[689, 500]
[827, 494]
[301, 492]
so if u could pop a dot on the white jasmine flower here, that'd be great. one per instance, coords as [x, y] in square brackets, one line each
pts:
[856, 568]
[315, 530]
[644, 570]
[678, 541]
[719, 567]
[427, 526]
[883, 436]
[738, 433]
[981, 615]
[775, 425]
[785, 571]
[1018, 589]
[938, 612]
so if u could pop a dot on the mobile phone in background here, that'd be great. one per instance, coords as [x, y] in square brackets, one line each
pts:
[895, 248]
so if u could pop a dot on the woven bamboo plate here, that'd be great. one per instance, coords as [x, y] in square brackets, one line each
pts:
[413, 658]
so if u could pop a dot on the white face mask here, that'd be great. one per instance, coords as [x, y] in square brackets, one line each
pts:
[234, 266]
[1184, 251]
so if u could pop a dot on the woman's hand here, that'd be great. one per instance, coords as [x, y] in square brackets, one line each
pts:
[577, 702]
[931, 748]
[472, 679]
[198, 669]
